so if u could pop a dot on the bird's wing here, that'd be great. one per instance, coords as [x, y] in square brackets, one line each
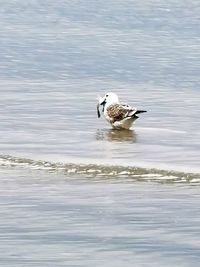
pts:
[118, 112]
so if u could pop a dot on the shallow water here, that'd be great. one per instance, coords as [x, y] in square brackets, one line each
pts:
[74, 192]
[51, 122]
[70, 220]
[57, 57]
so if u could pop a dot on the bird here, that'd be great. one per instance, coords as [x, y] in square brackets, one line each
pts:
[119, 115]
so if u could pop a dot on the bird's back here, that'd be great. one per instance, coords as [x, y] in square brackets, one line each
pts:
[118, 112]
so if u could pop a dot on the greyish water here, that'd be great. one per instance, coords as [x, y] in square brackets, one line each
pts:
[73, 191]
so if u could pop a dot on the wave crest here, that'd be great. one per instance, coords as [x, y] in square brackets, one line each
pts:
[104, 171]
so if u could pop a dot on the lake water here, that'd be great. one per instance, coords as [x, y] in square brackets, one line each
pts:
[74, 192]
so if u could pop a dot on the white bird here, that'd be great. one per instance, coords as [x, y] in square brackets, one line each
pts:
[119, 115]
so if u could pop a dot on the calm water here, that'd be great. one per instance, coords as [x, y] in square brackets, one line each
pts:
[55, 59]
[61, 220]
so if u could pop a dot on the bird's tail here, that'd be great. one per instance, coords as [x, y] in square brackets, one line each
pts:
[134, 113]
[140, 111]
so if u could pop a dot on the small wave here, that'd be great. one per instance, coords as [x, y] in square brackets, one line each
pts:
[95, 170]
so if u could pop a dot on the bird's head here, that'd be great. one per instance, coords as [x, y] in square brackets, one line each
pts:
[107, 100]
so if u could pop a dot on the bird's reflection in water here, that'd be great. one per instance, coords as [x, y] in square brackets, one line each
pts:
[114, 135]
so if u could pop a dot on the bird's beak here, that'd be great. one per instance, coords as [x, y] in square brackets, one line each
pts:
[98, 111]
[102, 101]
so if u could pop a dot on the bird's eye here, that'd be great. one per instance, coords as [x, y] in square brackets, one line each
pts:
[106, 95]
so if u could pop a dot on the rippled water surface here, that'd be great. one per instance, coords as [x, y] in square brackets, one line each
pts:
[57, 57]
[62, 220]
[74, 192]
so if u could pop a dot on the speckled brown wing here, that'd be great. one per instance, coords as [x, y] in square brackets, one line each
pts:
[118, 111]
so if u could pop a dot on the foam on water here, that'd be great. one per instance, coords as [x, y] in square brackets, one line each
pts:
[98, 170]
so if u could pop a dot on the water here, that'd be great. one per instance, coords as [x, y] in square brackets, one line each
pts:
[55, 59]
[62, 220]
